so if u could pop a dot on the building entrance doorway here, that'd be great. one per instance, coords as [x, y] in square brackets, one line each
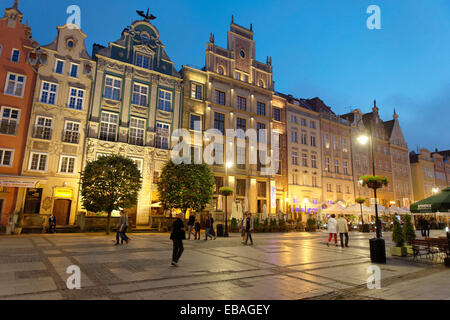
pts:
[61, 210]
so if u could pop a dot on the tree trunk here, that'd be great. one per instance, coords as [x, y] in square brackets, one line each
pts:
[362, 217]
[108, 223]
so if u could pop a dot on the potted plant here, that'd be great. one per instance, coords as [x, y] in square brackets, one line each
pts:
[399, 239]
[311, 225]
[409, 233]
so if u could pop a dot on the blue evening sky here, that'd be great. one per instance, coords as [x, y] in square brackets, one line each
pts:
[318, 47]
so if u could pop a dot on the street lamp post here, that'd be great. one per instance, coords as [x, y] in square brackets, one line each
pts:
[227, 166]
[377, 245]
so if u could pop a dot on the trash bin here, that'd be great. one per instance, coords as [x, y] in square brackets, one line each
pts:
[220, 230]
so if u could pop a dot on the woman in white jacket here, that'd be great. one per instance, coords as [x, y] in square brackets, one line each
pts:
[332, 230]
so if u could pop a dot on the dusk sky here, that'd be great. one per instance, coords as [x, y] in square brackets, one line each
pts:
[319, 48]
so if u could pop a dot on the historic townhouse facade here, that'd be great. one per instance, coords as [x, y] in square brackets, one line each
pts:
[304, 159]
[396, 167]
[446, 159]
[337, 170]
[440, 176]
[18, 61]
[423, 174]
[238, 95]
[135, 107]
[56, 134]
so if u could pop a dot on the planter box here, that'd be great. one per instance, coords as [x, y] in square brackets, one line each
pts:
[398, 251]
[409, 250]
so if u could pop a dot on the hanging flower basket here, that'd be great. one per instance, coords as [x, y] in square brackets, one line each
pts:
[226, 191]
[374, 182]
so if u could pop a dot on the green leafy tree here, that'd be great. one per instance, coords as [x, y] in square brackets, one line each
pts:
[110, 183]
[408, 229]
[185, 186]
[397, 234]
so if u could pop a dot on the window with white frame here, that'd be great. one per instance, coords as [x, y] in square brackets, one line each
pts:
[71, 132]
[76, 98]
[67, 164]
[48, 93]
[6, 157]
[294, 158]
[304, 139]
[165, 100]
[304, 159]
[15, 55]
[140, 94]
[59, 66]
[43, 128]
[294, 136]
[335, 143]
[313, 141]
[15, 84]
[314, 161]
[108, 126]
[345, 167]
[196, 91]
[112, 88]
[9, 120]
[38, 161]
[74, 70]
[344, 145]
[139, 163]
[137, 131]
[336, 166]
[326, 141]
[143, 61]
[327, 164]
[162, 136]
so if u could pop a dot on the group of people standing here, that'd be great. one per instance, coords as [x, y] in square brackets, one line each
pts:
[424, 226]
[338, 226]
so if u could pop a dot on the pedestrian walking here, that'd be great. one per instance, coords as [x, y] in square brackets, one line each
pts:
[248, 228]
[332, 230]
[213, 232]
[190, 225]
[208, 228]
[242, 227]
[342, 227]
[177, 236]
[426, 226]
[122, 228]
[197, 230]
[52, 224]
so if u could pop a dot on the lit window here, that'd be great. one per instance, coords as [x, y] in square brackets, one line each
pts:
[71, 132]
[162, 136]
[108, 126]
[196, 91]
[294, 158]
[48, 93]
[137, 130]
[43, 128]
[6, 157]
[165, 100]
[76, 99]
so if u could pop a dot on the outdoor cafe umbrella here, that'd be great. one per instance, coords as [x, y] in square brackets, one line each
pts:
[439, 202]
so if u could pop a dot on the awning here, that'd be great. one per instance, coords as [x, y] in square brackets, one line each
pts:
[439, 202]
[21, 182]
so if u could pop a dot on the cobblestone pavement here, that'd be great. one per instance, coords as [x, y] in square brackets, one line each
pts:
[279, 266]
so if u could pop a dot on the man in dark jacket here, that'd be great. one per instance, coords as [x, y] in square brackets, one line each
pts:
[177, 236]
[190, 225]
[208, 224]
[52, 224]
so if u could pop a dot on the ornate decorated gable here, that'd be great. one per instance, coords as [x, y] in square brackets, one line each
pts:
[140, 45]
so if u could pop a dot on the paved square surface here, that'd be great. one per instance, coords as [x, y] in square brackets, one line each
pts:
[279, 266]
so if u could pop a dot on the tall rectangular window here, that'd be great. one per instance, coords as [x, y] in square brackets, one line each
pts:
[293, 119]
[241, 103]
[335, 143]
[143, 61]
[112, 88]
[74, 70]
[196, 91]
[218, 154]
[195, 122]
[6, 156]
[15, 55]
[108, 126]
[304, 160]
[240, 157]
[314, 181]
[294, 158]
[326, 141]
[162, 136]
[329, 187]
[15, 84]
[344, 145]
[71, 132]
[38, 161]
[76, 99]
[220, 97]
[303, 122]
[67, 164]
[314, 161]
[43, 128]
[336, 166]
[240, 187]
[59, 66]
[48, 93]
[9, 120]
[294, 136]
[312, 124]
[140, 94]
[219, 122]
[241, 127]
[261, 132]
[304, 139]
[165, 100]
[277, 114]
[345, 167]
[137, 131]
[313, 141]
[327, 164]
[261, 108]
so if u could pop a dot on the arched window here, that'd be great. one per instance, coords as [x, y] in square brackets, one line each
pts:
[220, 70]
